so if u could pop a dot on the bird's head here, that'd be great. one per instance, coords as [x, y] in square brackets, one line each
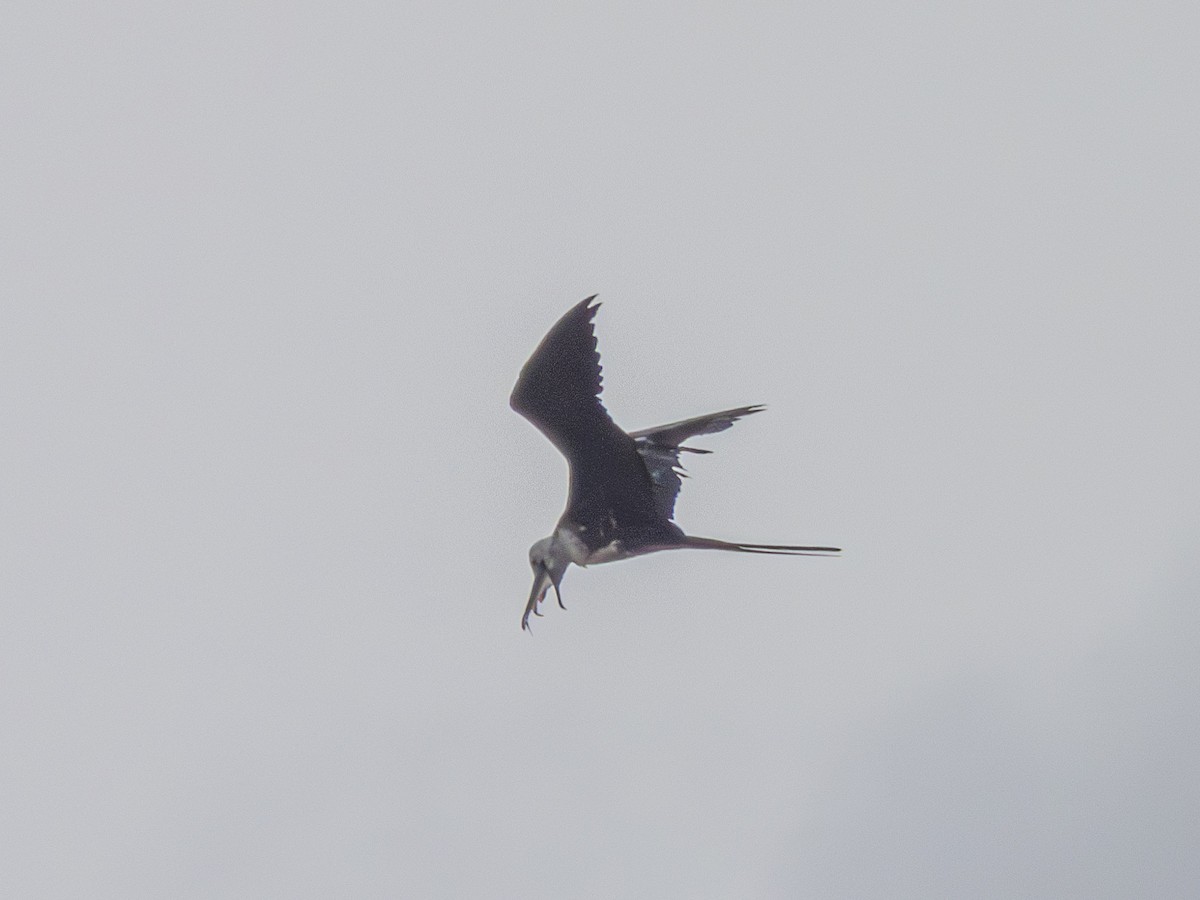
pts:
[549, 561]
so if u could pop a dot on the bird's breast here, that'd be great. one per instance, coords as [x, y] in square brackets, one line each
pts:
[576, 548]
[580, 553]
[610, 552]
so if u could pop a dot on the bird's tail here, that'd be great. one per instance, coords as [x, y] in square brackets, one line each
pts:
[700, 543]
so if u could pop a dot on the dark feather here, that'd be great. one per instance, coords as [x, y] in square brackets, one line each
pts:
[559, 392]
[660, 448]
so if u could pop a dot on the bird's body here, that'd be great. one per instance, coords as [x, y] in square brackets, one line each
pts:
[622, 485]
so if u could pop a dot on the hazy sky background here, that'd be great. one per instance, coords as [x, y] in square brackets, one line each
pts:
[268, 273]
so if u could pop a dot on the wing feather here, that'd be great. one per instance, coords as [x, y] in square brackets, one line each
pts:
[660, 448]
[559, 392]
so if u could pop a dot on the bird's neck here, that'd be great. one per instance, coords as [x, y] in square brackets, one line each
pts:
[568, 545]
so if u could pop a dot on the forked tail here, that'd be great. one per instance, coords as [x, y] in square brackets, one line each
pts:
[700, 543]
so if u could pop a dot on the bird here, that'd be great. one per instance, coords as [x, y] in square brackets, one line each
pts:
[623, 485]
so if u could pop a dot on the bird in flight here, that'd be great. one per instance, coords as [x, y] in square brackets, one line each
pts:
[622, 485]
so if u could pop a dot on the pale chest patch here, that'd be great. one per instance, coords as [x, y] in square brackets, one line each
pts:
[577, 550]
[608, 553]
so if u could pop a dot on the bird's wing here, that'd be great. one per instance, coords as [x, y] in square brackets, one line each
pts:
[660, 448]
[559, 392]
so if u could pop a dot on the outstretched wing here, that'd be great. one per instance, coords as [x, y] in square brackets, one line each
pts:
[660, 448]
[559, 392]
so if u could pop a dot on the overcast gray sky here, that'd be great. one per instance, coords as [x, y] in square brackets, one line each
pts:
[268, 274]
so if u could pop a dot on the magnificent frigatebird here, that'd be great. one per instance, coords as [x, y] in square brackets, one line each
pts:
[623, 485]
